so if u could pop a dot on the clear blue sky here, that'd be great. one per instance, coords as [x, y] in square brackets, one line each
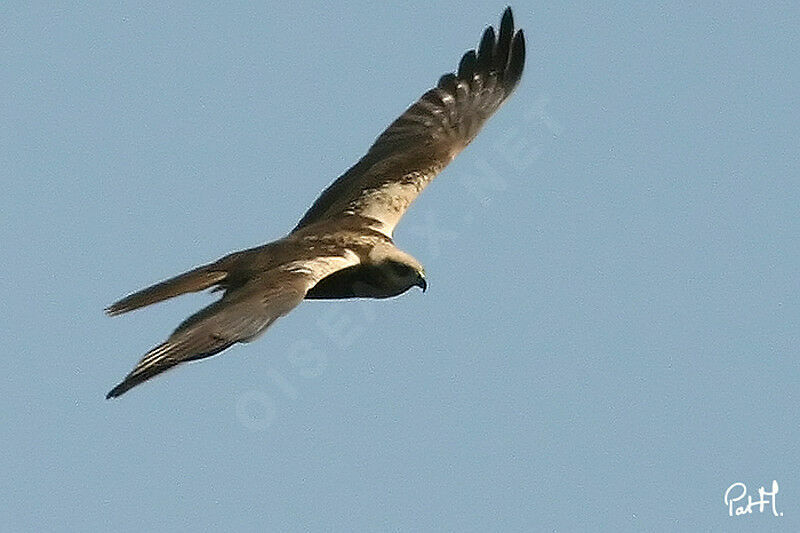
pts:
[609, 339]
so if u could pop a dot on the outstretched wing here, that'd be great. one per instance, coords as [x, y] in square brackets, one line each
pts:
[239, 316]
[419, 144]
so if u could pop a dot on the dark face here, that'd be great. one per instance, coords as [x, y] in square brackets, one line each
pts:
[403, 276]
[390, 278]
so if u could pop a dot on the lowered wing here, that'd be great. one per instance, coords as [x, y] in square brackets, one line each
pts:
[240, 315]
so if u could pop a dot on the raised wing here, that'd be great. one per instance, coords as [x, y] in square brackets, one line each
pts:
[419, 144]
[240, 315]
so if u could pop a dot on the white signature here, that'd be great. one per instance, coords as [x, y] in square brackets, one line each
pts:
[738, 491]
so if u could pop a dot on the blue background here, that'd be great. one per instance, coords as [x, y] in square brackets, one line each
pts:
[610, 336]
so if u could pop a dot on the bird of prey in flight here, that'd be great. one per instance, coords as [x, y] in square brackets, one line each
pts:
[342, 247]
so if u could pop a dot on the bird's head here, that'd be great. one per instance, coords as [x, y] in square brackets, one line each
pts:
[400, 270]
[403, 276]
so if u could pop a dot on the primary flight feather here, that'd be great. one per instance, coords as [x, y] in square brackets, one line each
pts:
[342, 247]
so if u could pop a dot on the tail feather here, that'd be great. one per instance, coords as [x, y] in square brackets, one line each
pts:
[195, 280]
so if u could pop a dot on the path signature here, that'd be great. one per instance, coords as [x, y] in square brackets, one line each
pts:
[738, 491]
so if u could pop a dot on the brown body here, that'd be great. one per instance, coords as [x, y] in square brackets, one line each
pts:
[342, 247]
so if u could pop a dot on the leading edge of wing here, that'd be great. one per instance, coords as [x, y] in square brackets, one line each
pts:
[430, 133]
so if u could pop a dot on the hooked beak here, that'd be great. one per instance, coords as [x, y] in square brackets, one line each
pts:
[421, 282]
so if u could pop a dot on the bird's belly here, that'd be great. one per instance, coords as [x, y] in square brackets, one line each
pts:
[361, 281]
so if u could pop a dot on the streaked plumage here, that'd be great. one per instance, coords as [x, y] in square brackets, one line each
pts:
[342, 247]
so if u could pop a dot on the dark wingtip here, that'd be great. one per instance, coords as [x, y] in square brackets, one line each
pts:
[486, 50]
[466, 69]
[448, 82]
[504, 37]
[508, 19]
[117, 391]
[517, 60]
[130, 381]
